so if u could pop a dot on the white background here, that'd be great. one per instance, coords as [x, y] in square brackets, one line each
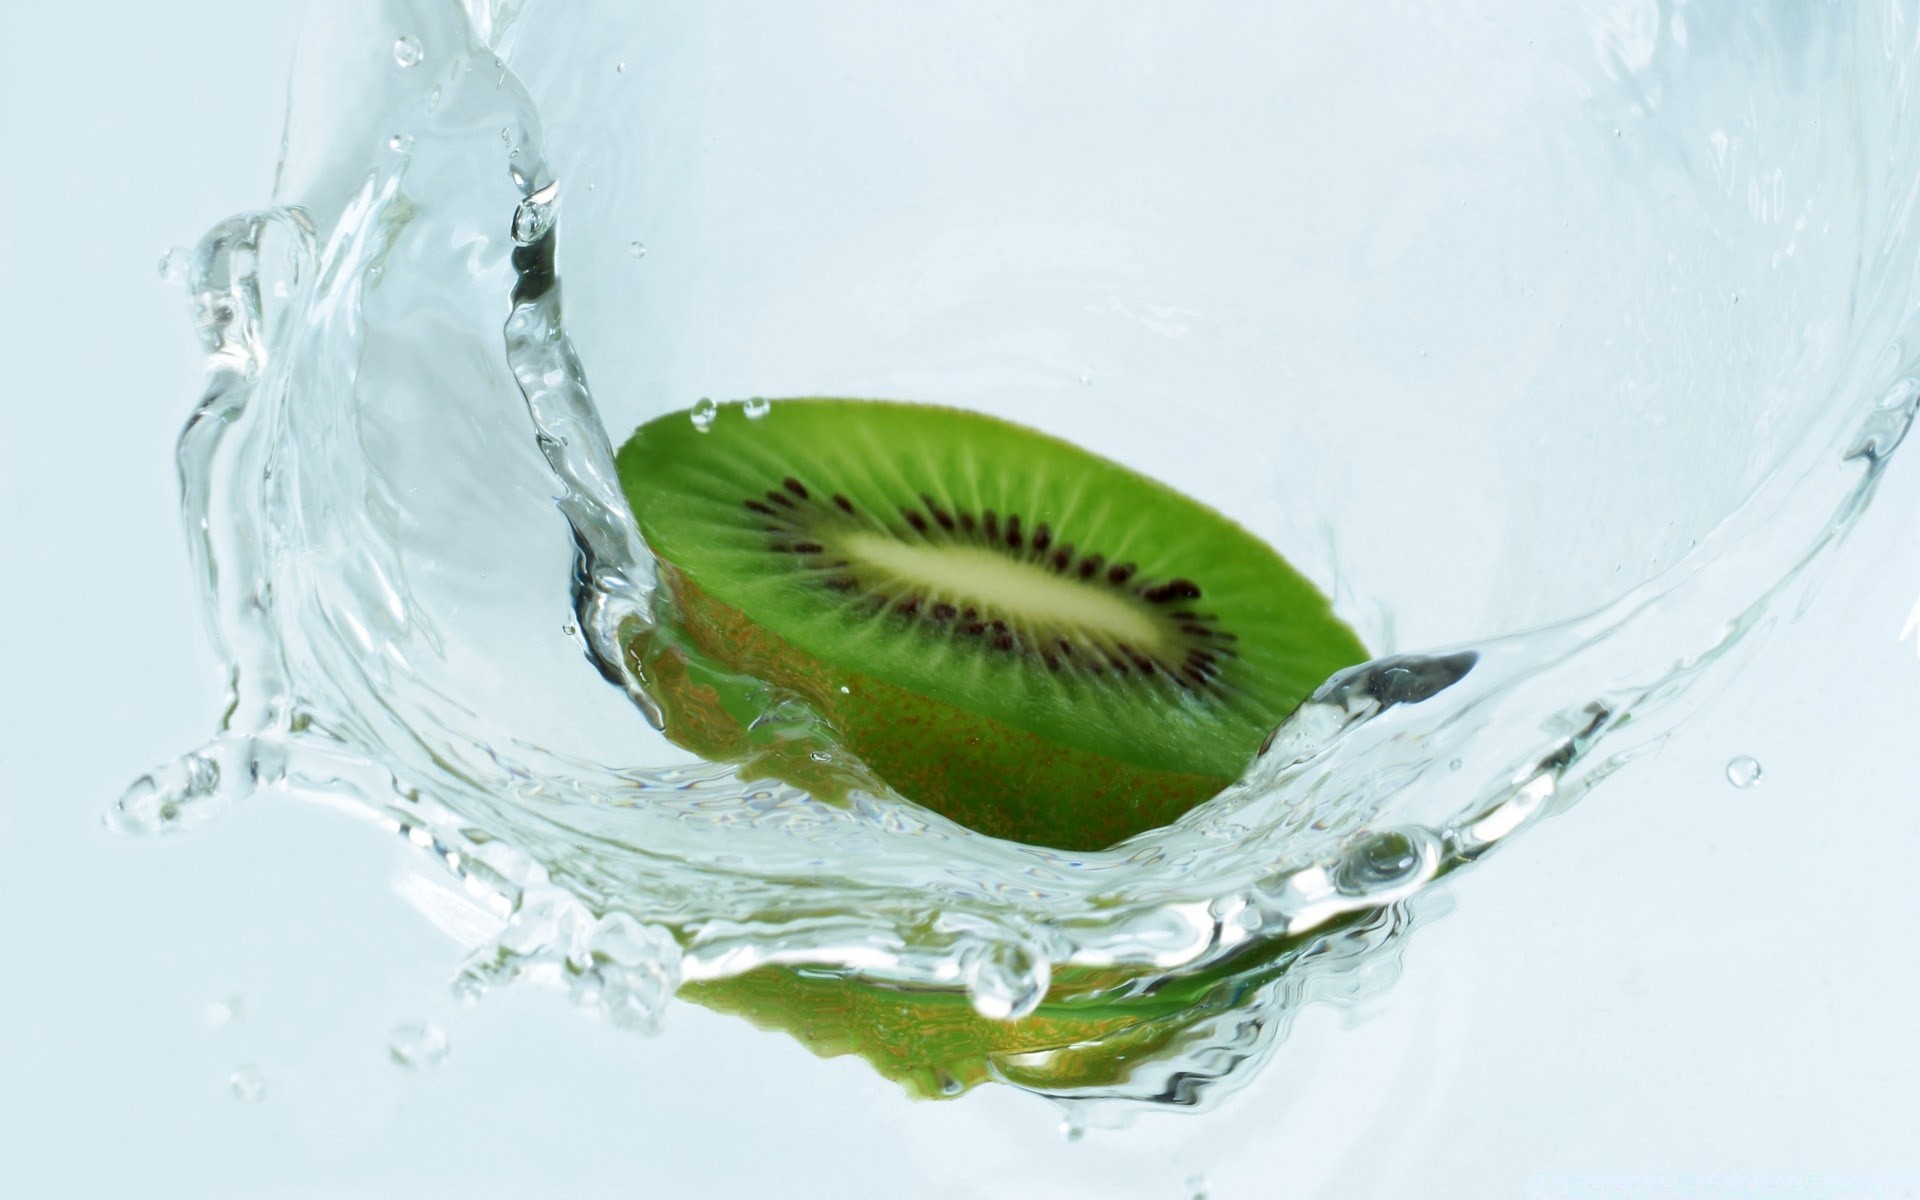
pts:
[1678, 988]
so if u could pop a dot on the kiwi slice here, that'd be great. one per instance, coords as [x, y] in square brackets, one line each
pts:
[1028, 638]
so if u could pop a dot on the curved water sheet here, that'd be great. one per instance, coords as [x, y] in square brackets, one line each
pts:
[1628, 286]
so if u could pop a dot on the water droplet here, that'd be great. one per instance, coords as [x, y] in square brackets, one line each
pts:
[1197, 1186]
[433, 98]
[1744, 771]
[173, 265]
[1616, 133]
[570, 629]
[637, 249]
[419, 1045]
[533, 217]
[221, 1013]
[400, 143]
[620, 67]
[407, 51]
[1072, 1131]
[703, 414]
[1086, 381]
[756, 407]
[248, 1084]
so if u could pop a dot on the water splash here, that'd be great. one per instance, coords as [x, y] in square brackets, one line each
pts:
[418, 566]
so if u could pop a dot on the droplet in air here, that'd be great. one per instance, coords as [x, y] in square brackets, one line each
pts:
[418, 1045]
[756, 407]
[173, 265]
[400, 143]
[407, 51]
[221, 1013]
[620, 67]
[1744, 771]
[1086, 381]
[703, 414]
[637, 249]
[248, 1084]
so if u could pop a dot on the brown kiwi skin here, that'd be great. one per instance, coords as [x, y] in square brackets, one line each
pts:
[991, 778]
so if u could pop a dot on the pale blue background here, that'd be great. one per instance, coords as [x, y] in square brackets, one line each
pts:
[1678, 987]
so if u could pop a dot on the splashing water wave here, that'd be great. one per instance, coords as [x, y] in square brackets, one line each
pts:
[420, 570]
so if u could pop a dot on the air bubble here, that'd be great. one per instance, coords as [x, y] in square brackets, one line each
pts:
[620, 68]
[703, 414]
[756, 407]
[1381, 860]
[1086, 381]
[407, 51]
[248, 1084]
[637, 249]
[533, 217]
[1744, 771]
[418, 1045]
[400, 143]
[1072, 1131]
[218, 1014]
[173, 266]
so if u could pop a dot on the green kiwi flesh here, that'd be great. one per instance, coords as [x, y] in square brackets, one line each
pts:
[1025, 637]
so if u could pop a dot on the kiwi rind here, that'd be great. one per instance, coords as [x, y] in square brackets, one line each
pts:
[991, 741]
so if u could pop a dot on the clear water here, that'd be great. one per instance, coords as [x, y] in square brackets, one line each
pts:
[1676, 354]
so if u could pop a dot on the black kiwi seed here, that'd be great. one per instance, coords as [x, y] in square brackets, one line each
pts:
[1042, 536]
[1120, 573]
[1173, 589]
[1013, 530]
[990, 525]
[966, 520]
[1090, 565]
[760, 508]
[795, 486]
[944, 611]
[780, 498]
[845, 505]
[914, 519]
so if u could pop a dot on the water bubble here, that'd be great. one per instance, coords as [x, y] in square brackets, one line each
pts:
[637, 249]
[756, 407]
[1072, 1131]
[1744, 771]
[1455, 765]
[1380, 860]
[1086, 381]
[248, 1084]
[1007, 981]
[407, 51]
[703, 414]
[533, 217]
[418, 1045]
[173, 265]
[620, 67]
[433, 98]
[400, 143]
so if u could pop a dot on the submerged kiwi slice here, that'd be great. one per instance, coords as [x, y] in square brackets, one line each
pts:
[1032, 640]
